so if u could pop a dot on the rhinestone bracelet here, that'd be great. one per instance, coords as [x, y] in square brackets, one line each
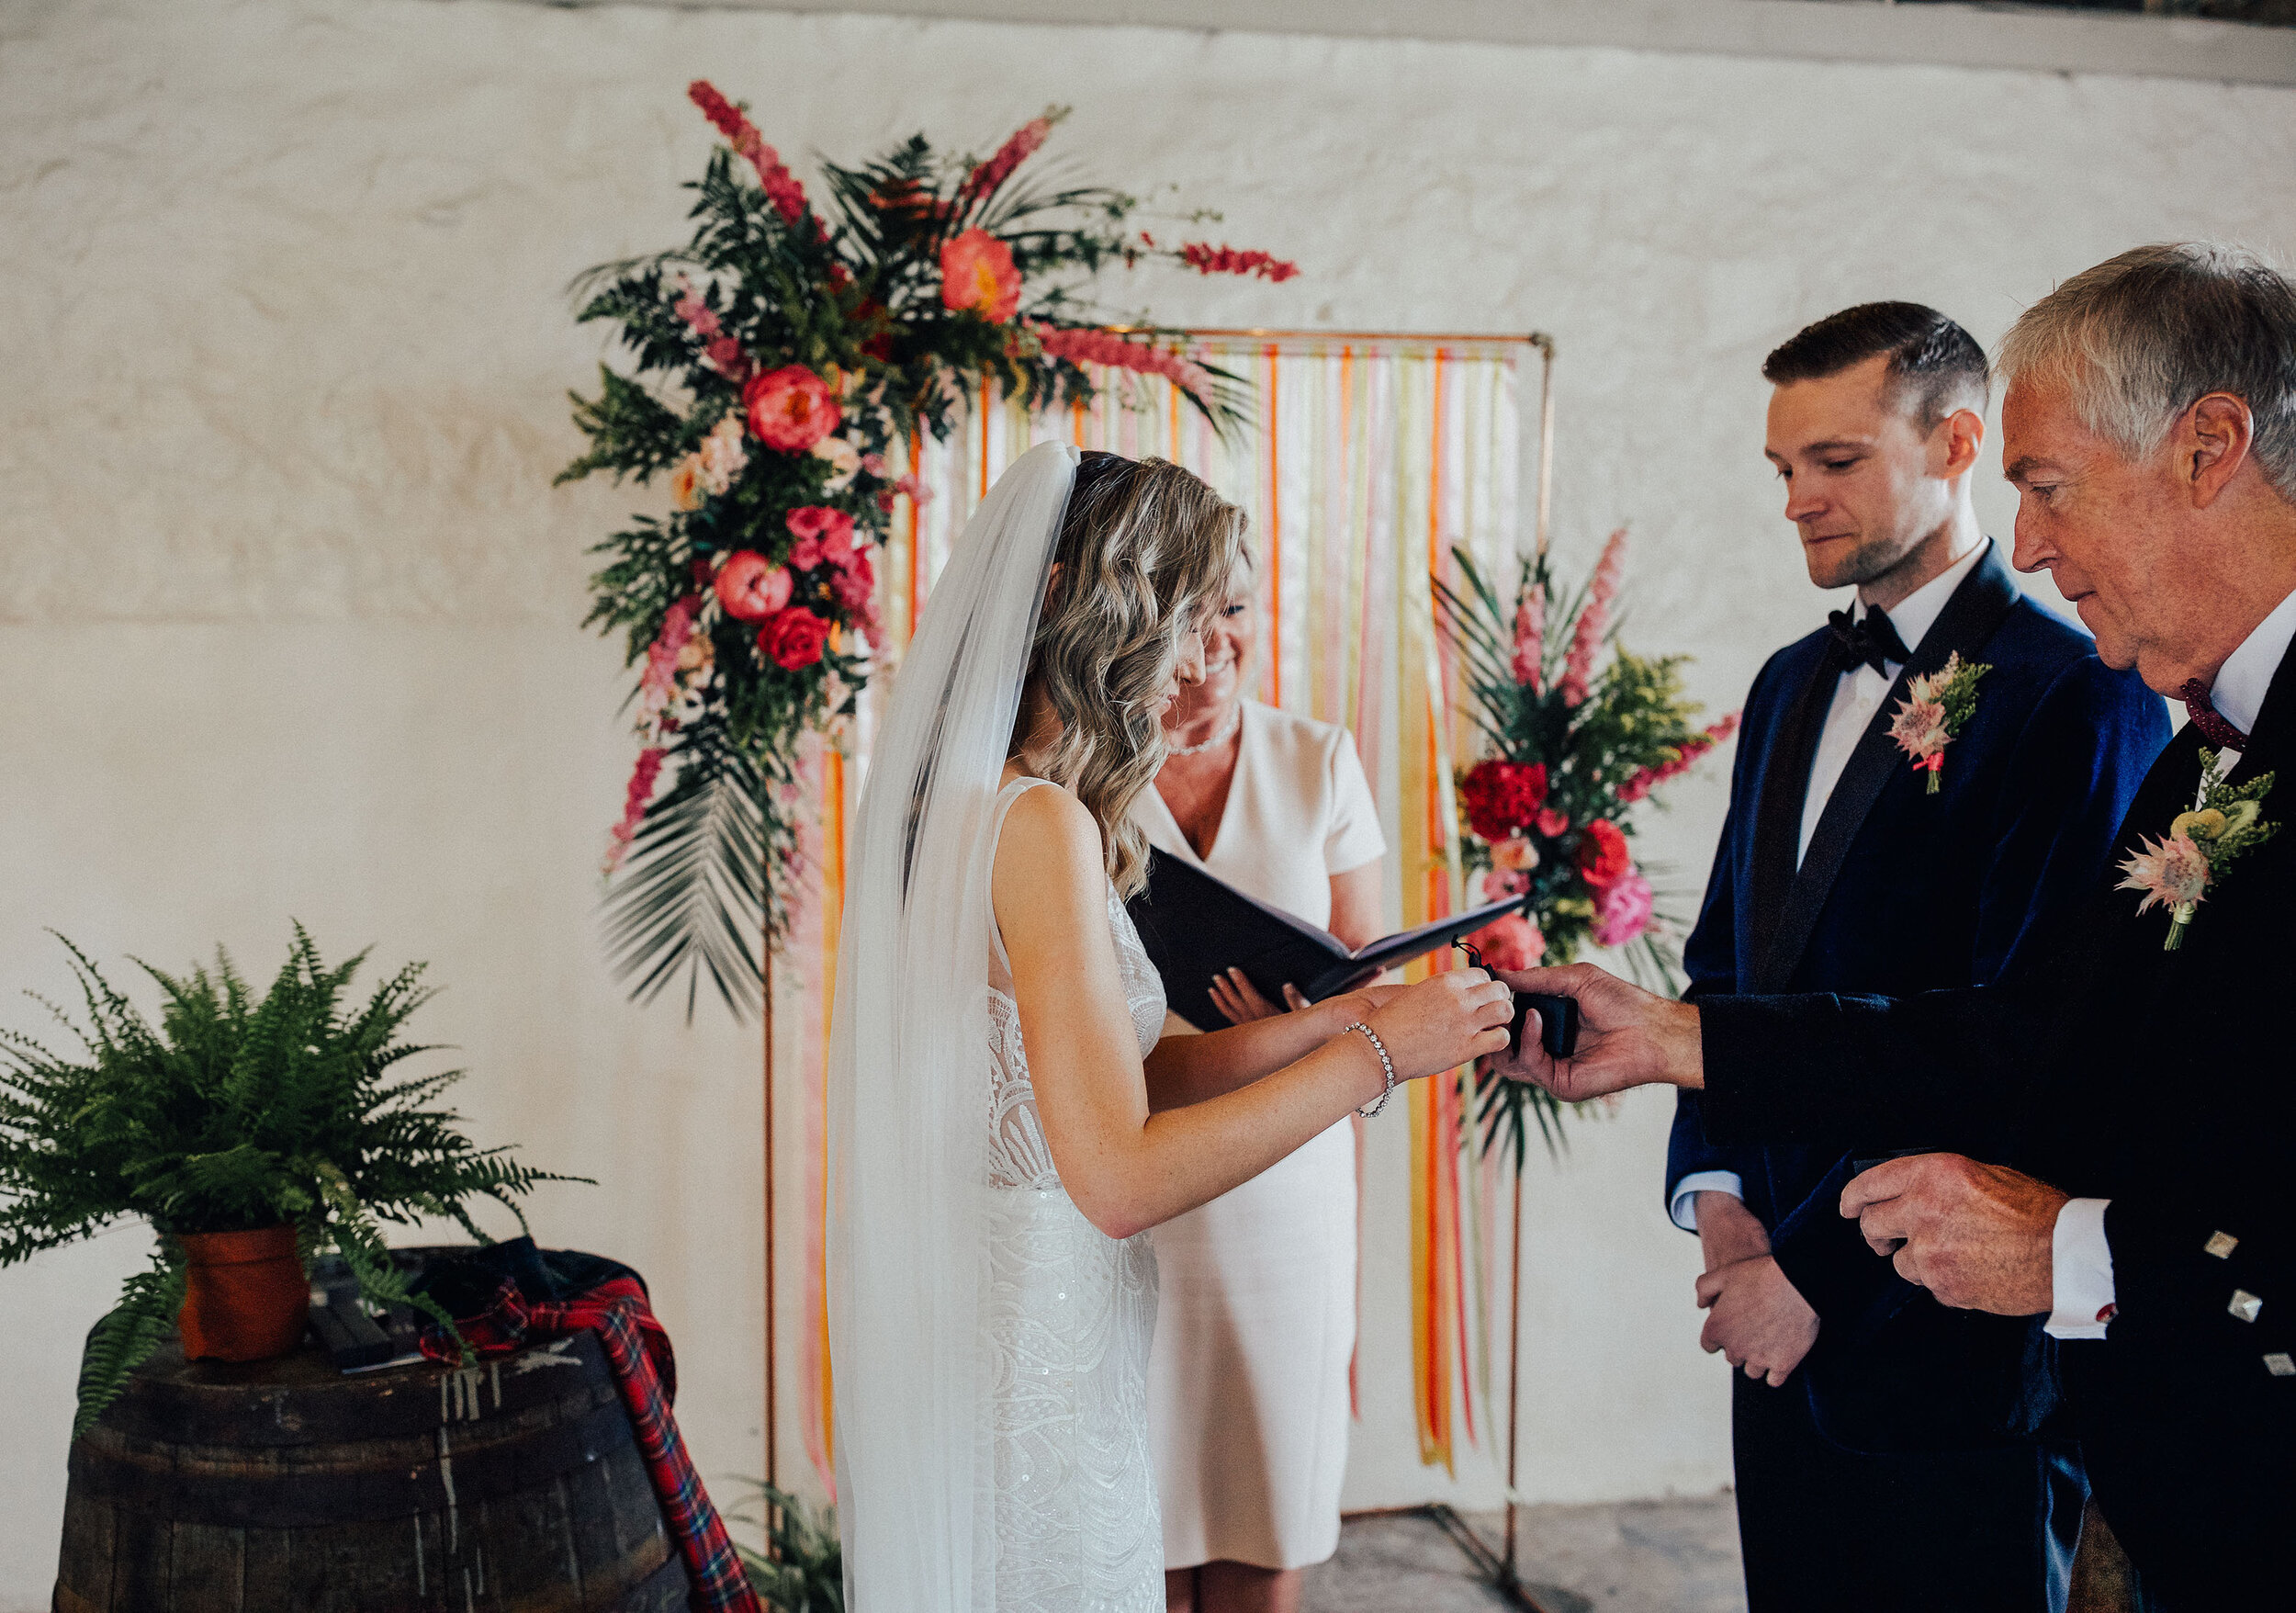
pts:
[1385, 1064]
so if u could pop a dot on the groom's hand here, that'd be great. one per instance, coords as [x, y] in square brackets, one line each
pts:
[1757, 1318]
[1977, 1237]
[1627, 1036]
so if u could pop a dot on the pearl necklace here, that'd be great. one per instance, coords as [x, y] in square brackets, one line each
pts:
[1226, 733]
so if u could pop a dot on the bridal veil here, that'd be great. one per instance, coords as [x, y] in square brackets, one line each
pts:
[909, 1076]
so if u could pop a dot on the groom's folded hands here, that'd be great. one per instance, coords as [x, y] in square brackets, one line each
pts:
[1627, 1037]
[1977, 1237]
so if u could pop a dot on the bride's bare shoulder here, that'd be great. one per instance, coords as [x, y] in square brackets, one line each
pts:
[1050, 848]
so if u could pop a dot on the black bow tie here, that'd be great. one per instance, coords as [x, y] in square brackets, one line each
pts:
[1871, 642]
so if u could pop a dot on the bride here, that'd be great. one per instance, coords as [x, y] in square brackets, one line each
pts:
[1003, 1127]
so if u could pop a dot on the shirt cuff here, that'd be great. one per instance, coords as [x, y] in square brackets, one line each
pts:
[1684, 1205]
[2080, 1271]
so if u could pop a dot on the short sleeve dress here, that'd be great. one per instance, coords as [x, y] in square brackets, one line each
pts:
[1247, 1378]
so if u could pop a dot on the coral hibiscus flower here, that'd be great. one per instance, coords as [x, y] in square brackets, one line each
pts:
[790, 409]
[977, 272]
[1603, 855]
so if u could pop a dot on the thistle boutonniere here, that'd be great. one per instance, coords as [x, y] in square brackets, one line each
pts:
[2176, 871]
[1936, 708]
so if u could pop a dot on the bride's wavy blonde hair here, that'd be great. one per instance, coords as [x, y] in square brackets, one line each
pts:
[1145, 550]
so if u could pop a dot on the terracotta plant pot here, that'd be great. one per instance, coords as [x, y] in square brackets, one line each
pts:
[245, 1296]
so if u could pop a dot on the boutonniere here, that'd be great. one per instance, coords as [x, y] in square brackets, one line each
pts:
[1935, 710]
[2178, 872]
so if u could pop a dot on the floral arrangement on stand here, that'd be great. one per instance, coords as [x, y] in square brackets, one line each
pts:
[786, 361]
[1575, 747]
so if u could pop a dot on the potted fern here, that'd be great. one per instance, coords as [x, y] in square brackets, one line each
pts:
[253, 1134]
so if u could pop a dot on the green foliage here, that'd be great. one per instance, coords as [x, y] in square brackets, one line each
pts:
[802, 1568]
[850, 289]
[236, 1112]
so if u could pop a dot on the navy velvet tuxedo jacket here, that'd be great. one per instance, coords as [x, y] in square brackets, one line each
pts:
[1902, 892]
[2160, 1081]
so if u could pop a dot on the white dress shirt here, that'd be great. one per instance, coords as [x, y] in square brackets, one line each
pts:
[1858, 693]
[2080, 1259]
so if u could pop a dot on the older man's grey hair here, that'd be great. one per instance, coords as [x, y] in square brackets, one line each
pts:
[2140, 338]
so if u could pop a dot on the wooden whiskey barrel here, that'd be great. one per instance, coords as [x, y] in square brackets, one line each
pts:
[283, 1486]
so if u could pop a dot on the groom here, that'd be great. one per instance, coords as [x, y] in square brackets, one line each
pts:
[1840, 870]
[2141, 1221]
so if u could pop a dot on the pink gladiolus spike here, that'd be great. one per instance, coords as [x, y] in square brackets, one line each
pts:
[639, 795]
[1586, 637]
[1530, 636]
[1018, 148]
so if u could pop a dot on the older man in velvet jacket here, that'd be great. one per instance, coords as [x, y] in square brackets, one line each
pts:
[2110, 1129]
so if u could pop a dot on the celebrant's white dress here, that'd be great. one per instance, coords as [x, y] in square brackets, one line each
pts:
[1071, 1314]
[1247, 1384]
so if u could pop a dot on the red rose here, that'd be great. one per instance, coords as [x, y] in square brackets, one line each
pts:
[793, 638]
[977, 272]
[751, 587]
[1602, 857]
[1502, 797]
[789, 408]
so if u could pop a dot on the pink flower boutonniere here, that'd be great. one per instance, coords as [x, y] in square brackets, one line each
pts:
[1936, 709]
[2177, 870]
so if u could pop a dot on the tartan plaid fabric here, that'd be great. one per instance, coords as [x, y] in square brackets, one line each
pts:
[645, 1371]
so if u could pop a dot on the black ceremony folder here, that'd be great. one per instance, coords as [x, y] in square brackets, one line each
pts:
[1196, 926]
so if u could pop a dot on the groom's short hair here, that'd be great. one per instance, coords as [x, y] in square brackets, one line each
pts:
[1935, 366]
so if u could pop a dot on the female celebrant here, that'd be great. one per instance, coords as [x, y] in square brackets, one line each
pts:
[1247, 1383]
[1000, 1136]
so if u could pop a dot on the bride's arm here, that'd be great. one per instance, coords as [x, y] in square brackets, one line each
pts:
[1186, 1069]
[1128, 1169]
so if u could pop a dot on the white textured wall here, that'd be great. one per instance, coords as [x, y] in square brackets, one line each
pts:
[288, 606]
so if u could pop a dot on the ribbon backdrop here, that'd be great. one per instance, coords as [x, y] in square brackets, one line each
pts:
[1370, 457]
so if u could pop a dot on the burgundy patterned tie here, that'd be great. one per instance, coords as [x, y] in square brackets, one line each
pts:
[2208, 720]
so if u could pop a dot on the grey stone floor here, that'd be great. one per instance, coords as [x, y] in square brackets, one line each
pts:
[1630, 1557]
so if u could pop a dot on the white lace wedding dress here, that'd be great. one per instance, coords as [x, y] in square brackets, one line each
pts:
[1071, 1314]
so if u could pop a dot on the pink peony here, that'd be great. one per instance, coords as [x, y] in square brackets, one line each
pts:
[2172, 873]
[1500, 884]
[1510, 943]
[792, 640]
[790, 409]
[751, 587]
[822, 534]
[1622, 911]
[977, 273]
[853, 583]
[1551, 823]
[1586, 637]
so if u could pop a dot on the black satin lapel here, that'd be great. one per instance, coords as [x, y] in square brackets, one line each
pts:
[1969, 619]
[1778, 815]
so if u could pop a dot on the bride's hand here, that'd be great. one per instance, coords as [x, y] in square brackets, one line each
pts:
[1445, 1021]
[1348, 1007]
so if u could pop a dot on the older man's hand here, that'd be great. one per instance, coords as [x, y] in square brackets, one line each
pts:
[1977, 1237]
[1627, 1036]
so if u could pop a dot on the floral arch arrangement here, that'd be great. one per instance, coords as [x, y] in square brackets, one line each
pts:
[785, 358]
